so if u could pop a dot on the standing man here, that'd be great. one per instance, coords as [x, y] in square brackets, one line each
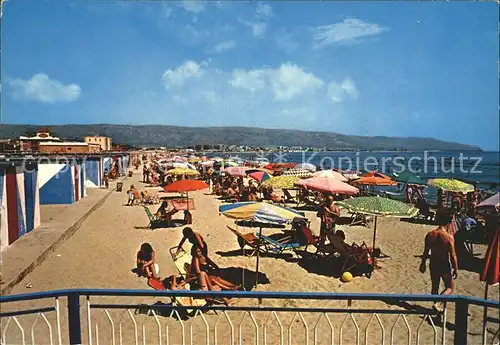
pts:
[443, 258]
[329, 212]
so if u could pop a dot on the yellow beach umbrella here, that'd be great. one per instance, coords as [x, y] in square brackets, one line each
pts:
[183, 171]
[283, 182]
[451, 185]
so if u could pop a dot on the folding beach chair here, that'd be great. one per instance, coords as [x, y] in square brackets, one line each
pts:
[351, 256]
[153, 220]
[359, 219]
[246, 240]
[277, 247]
[183, 264]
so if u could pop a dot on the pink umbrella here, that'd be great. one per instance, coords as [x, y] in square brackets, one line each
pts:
[330, 174]
[236, 171]
[491, 204]
[327, 185]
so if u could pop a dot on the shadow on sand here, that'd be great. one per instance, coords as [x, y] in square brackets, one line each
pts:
[235, 275]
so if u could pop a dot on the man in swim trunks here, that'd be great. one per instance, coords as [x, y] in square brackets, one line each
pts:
[442, 250]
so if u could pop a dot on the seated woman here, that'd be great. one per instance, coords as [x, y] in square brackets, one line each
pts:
[164, 214]
[233, 193]
[146, 261]
[245, 194]
[253, 196]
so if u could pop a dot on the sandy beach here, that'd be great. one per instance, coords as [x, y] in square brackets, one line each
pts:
[102, 253]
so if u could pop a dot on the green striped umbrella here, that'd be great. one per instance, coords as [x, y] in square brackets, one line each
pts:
[451, 185]
[379, 207]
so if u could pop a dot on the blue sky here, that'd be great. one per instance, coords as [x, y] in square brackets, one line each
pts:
[394, 69]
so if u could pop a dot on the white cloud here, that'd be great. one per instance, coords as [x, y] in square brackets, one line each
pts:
[224, 46]
[258, 28]
[338, 92]
[195, 6]
[41, 88]
[347, 32]
[284, 41]
[263, 10]
[176, 77]
[286, 81]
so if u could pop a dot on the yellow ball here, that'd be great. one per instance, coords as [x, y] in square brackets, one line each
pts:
[346, 277]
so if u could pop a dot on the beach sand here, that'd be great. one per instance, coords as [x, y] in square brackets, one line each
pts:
[102, 253]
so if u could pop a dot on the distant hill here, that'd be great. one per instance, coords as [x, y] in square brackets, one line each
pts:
[171, 136]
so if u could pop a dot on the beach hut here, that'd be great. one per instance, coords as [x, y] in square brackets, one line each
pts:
[19, 201]
[94, 172]
[61, 181]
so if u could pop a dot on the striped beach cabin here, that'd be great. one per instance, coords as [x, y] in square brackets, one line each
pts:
[62, 180]
[19, 200]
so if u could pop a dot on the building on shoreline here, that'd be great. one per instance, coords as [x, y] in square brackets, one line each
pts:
[104, 142]
[68, 147]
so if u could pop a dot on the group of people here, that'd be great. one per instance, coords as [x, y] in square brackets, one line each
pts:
[202, 274]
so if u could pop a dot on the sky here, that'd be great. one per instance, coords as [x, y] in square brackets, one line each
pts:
[419, 69]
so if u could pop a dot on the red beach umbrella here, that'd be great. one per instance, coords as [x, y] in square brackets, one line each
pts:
[491, 271]
[185, 186]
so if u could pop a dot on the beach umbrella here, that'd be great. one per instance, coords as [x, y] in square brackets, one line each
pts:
[207, 163]
[283, 182]
[298, 172]
[251, 170]
[261, 215]
[185, 186]
[409, 179]
[306, 166]
[327, 185]
[236, 171]
[183, 171]
[451, 185]
[279, 166]
[260, 176]
[330, 174]
[378, 207]
[492, 204]
[490, 274]
[374, 181]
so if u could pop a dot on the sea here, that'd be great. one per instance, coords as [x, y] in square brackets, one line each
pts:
[480, 168]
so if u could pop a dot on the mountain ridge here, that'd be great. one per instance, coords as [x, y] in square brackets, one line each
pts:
[168, 135]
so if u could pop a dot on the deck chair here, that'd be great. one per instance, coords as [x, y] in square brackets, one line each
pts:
[351, 256]
[249, 240]
[153, 219]
[276, 247]
[183, 264]
[359, 219]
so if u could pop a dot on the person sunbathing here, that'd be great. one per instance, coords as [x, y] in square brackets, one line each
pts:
[146, 258]
[164, 214]
[199, 251]
[275, 197]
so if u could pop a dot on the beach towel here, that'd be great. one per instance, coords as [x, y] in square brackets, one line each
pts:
[156, 284]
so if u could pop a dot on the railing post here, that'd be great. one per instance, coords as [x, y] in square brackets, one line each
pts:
[461, 322]
[75, 329]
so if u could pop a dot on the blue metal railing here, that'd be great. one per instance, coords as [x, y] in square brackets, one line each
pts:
[461, 303]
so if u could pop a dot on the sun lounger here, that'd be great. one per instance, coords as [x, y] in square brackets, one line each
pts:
[273, 246]
[246, 240]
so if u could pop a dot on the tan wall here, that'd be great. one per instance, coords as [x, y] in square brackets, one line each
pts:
[68, 149]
